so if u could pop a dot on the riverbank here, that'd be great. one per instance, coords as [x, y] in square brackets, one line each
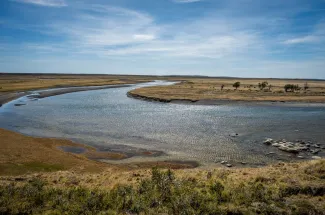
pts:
[52, 92]
[20, 154]
[221, 91]
[134, 95]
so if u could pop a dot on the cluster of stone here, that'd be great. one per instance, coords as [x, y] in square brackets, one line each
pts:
[295, 147]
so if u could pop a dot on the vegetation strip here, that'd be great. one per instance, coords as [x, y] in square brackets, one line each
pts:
[164, 193]
[214, 90]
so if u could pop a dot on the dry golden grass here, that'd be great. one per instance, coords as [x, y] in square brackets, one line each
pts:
[14, 83]
[210, 89]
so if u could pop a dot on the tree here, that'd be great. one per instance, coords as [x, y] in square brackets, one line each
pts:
[288, 87]
[236, 85]
[306, 86]
[262, 85]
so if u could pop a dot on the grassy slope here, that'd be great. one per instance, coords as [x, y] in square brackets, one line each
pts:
[91, 187]
[198, 89]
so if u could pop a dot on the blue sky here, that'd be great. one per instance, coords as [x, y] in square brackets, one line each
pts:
[243, 38]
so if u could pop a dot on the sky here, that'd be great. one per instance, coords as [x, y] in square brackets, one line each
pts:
[240, 38]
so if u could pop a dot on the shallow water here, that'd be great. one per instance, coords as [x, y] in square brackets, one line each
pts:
[108, 118]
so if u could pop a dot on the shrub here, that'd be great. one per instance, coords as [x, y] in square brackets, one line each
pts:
[291, 87]
[236, 85]
[163, 193]
[262, 85]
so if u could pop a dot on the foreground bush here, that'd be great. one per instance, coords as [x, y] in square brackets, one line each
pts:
[165, 194]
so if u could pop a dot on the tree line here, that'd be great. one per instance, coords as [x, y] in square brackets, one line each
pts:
[265, 85]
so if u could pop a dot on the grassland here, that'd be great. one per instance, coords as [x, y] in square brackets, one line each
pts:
[279, 189]
[210, 89]
[23, 82]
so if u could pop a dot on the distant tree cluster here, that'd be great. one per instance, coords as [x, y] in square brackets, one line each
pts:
[265, 85]
[291, 87]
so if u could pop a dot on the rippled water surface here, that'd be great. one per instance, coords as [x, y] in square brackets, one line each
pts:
[109, 118]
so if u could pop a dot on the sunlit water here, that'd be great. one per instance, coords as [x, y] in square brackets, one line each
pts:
[108, 118]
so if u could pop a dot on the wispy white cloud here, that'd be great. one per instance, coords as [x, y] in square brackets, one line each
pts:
[46, 3]
[109, 31]
[315, 36]
[144, 36]
[300, 40]
[186, 1]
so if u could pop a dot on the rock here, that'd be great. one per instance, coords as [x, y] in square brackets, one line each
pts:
[316, 157]
[289, 149]
[276, 144]
[233, 135]
[308, 145]
[223, 162]
[315, 151]
[270, 153]
[301, 157]
[316, 146]
[243, 162]
[229, 165]
[19, 104]
[268, 141]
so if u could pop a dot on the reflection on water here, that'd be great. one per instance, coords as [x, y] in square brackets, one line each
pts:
[194, 132]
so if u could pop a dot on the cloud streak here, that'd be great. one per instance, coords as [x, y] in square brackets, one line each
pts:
[186, 1]
[46, 3]
[302, 40]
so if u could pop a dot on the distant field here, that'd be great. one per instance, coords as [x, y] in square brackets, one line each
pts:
[210, 89]
[20, 82]
[190, 88]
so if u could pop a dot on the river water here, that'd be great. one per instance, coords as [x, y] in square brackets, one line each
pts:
[108, 118]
